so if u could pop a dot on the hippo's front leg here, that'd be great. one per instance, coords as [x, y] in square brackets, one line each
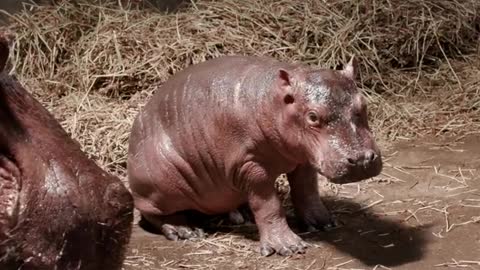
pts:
[275, 234]
[306, 198]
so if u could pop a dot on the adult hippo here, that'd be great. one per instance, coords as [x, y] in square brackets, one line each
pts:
[58, 209]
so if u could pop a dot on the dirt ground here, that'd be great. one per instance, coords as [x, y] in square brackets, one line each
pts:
[423, 212]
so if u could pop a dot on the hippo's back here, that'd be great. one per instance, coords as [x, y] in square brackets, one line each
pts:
[234, 85]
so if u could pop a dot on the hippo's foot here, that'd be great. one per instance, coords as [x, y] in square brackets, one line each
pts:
[176, 232]
[307, 199]
[285, 244]
[316, 217]
[174, 227]
[242, 215]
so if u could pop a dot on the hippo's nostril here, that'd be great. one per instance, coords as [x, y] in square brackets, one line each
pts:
[351, 161]
[370, 156]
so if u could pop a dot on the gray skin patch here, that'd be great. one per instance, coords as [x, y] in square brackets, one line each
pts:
[8, 198]
[344, 147]
[52, 186]
[336, 103]
[317, 95]
[9, 193]
[335, 143]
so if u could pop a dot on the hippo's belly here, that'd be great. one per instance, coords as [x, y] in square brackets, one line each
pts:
[163, 187]
[165, 197]
[220, 200]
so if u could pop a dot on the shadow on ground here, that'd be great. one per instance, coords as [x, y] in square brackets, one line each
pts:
[372, 239]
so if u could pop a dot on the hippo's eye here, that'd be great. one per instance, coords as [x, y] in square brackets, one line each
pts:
[313, 118]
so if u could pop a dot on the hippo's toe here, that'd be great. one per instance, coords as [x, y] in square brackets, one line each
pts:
[242, 215]
[320, 223]
[236, 217]
[267, 250]
[316, 218]
[284, 244]
[173, 232]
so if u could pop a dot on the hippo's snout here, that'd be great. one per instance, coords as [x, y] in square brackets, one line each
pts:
[367, 160]
[367, 164]
[355, 168]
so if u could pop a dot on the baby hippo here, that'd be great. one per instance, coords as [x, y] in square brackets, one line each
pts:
[58, 209]
[218, 134]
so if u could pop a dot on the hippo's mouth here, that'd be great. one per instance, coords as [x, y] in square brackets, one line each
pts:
[343, 173]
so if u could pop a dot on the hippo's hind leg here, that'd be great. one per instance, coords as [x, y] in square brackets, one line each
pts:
[177, 226]
[241, 215]
[306, 199]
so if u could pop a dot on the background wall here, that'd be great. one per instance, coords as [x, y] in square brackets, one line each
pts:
[15, 5]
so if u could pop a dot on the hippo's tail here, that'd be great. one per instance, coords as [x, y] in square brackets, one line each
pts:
[5, 39]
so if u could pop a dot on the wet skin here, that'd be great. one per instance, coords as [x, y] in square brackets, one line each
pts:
[58, 209]
[217, 134]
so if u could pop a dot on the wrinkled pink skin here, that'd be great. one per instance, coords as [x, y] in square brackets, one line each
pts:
[219, 133]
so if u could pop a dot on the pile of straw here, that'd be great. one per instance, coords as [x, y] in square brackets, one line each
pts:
[95, 65]
[104, 45]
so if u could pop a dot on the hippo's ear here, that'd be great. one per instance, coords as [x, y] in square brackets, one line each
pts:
[5, 41]
[350, 70]
[285, 82]
[284, 77]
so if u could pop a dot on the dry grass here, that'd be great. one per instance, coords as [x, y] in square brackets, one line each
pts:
[95, 65]
[114, 50]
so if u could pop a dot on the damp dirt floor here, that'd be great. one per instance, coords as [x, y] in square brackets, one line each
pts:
[423, 212]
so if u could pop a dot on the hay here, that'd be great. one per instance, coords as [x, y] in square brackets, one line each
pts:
[95, 65]
[109, 47]
[438, 104]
